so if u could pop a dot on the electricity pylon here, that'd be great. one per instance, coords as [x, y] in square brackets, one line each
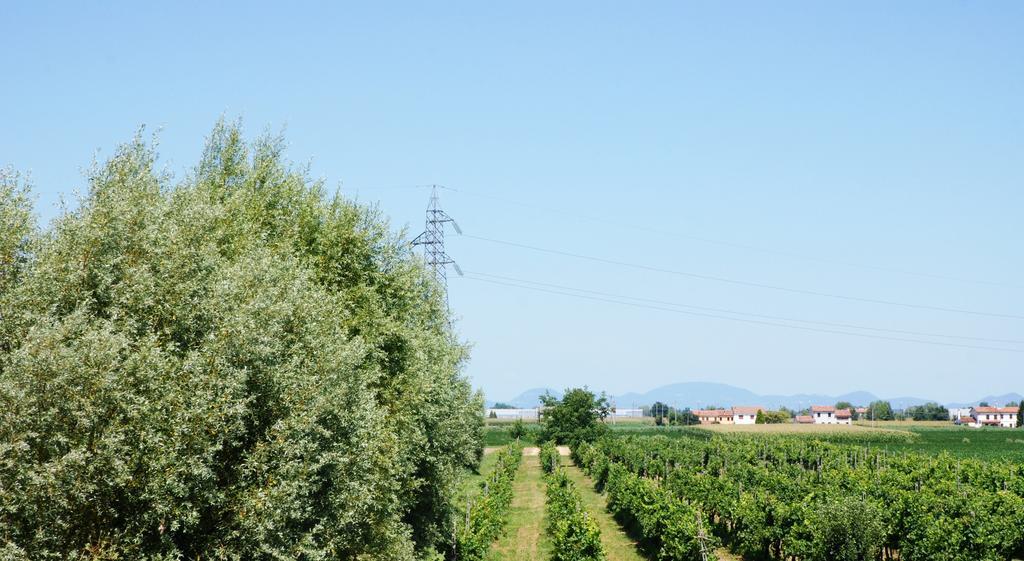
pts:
[432, 240]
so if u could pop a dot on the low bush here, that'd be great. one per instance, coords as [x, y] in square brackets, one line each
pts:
[549, 459]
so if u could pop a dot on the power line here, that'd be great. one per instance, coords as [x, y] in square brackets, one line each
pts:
[748, 314]
[618, 223]
[751, 321]
[744, 282]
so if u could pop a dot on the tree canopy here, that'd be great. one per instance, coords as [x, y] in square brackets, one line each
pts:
[928, 412]
[575, 418]
[772, 417]
[232, 365]
[879, 411]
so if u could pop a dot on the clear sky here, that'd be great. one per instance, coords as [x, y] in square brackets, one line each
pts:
[828, 144]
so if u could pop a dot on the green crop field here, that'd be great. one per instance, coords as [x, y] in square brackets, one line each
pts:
[989, 443]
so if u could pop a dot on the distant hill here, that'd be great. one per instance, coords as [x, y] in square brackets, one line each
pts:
[993, 400]
[528, 399]
[697, 395]
[694, 395]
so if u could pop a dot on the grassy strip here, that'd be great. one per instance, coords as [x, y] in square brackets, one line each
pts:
[488, 512]
[472, 482]
[524, 538]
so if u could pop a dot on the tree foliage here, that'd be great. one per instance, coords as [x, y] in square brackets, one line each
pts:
[577, 417]
[686, 417]
[659, 409]
[880, 411]
[772, 417]
[517, 429]
[928, 412]
[230, 366]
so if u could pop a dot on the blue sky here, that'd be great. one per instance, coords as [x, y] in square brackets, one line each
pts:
[809, 136]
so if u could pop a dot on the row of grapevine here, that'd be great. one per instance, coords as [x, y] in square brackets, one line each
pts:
[779, 497]
[487, 514]
[665, 527]
[575, 535]
[549, 458]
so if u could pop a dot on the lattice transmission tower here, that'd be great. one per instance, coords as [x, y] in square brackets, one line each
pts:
[432, 240]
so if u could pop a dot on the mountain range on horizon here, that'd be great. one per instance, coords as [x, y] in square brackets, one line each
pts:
[696, 395]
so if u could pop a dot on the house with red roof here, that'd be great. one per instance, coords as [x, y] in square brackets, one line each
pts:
[745, 415]
[1005, 417]
[829, 415]
[714, 416]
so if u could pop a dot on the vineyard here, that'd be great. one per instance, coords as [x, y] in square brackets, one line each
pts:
[783, 497]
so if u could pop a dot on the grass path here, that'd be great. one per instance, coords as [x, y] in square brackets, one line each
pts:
[471, 483]
[524, 538]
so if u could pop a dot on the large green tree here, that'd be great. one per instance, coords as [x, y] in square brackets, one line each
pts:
[577, 417]
[879, 411]
[928, 412]
[233, 365]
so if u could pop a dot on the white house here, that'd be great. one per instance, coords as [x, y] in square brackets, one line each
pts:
[745, 415]
[620, 412]
[992, 417]
[829, 415]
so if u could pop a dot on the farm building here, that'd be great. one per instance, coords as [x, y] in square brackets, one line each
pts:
[829, 415]
[741, 415]
[714, 416]
[804, 419]
[992, 417]
[622, 412]
[745, 415]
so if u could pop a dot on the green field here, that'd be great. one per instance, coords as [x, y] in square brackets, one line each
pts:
[987, 443]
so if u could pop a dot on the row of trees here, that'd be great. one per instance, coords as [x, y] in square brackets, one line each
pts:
[231, 365]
